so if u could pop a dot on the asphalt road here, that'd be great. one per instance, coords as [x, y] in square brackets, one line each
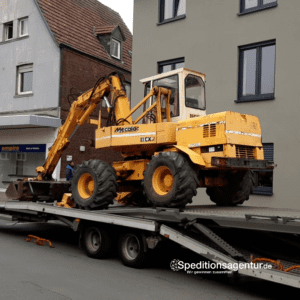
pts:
[29, 271]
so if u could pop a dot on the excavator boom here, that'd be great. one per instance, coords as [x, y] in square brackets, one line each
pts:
[79, 113]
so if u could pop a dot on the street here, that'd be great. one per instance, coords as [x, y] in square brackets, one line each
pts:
[30, 271]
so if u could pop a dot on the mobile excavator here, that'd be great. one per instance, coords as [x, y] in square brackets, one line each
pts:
[175, 148]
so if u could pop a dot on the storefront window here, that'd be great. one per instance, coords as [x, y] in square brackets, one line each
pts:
[19, 161]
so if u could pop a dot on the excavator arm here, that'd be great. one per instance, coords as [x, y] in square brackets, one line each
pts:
[80, 111]
[42, 187]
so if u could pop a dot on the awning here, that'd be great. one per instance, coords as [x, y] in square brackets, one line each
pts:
[19, 121]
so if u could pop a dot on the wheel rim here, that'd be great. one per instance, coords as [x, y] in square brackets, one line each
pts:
[131, 247]
[162, 180]
[86, 185]
[93, 239]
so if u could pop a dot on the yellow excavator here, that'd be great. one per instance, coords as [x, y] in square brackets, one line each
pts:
[169, 151]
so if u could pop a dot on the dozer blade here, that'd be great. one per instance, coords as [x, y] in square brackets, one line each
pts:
[37, 190]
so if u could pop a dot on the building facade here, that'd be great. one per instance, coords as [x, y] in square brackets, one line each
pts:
[52, 51]
[248, 51]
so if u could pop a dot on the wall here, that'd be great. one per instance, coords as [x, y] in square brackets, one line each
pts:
[208, 38]
[38, 48]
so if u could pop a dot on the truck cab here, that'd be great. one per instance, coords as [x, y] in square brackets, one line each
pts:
[188, 93]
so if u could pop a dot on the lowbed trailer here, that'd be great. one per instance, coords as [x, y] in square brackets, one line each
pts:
[223, 235]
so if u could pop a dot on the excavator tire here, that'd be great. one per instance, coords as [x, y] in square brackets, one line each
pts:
[237, 191]
[94, 184]
[170, 180]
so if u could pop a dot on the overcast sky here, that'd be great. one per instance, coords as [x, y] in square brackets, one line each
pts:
[124, 8]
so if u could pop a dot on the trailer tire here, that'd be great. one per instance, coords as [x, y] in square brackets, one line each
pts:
[96, 241]
[237, 191]
[94, 184]
[170, 180]
[131, 248]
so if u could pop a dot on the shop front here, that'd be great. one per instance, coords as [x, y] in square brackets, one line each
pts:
[19, 161]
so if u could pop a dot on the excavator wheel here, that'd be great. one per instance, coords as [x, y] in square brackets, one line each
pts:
[237, 191]
[170, 180]
[94, 184]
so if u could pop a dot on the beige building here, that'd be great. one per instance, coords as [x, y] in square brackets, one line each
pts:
[249, 51]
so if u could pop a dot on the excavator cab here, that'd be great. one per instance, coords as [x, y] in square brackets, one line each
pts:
[187, 94]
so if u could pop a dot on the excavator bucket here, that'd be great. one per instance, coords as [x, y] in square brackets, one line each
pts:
[37, 190]
[15, 190]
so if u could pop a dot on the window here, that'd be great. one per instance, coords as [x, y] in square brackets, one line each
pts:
[169, 65]
[23, 27]
[115, 48]
[4, 156]
[255, 5]
[172, 9]
[128, 90]
[25, 79]
[170, 83]
[265, 177]
[256, 72]
[194, 92]
[21, 156]
[8, 31]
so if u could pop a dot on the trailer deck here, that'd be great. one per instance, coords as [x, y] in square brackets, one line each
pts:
[175, 225]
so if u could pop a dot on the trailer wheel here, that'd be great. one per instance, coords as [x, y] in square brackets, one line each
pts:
[237, 191]
[170, 180]
[94, 184]
[96, 242]
[131, 248]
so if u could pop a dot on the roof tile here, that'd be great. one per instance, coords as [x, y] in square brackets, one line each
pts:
[104, 29]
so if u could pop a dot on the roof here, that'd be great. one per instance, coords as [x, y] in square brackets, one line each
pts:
[104, 29]
[73, 23]
[108, 29]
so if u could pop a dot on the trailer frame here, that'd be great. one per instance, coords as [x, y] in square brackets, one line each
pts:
[174, 224]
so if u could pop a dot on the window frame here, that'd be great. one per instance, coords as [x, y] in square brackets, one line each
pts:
[265, 190]
[6, 31]
[20, 27]
[171, 62]
[113, 39]
[162, 19]
[258, 96]
[260, 6]
[20, 70]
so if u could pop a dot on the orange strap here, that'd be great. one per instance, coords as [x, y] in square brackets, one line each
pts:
[277, 263]
[39, 241]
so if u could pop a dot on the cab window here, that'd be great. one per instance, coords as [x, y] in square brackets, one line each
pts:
[194, 92]
[147, 88]
[170, 83]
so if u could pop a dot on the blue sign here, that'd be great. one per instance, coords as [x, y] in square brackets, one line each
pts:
[23, 148]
